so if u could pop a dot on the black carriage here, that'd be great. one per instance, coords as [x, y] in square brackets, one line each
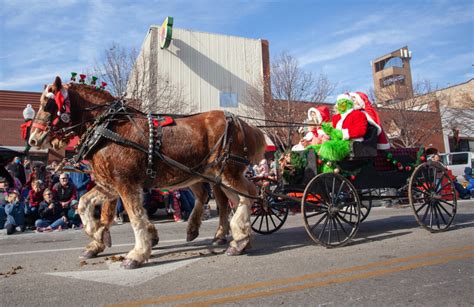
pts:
[334, 204]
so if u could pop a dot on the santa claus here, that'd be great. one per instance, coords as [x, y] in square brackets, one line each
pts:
[352, 122]
[362, 102]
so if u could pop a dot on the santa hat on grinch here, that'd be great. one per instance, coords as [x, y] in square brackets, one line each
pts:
[362, 102]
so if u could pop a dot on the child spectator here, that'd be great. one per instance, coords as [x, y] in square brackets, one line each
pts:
[35, 197]
[51, 214]
[15, 210]
[4, 185]
[74, 219]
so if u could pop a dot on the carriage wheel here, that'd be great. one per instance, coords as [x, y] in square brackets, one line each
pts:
[432, 196]
[331, 210]
[366, 204]
[268, 215]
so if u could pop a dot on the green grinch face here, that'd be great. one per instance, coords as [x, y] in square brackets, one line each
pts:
[343, 105]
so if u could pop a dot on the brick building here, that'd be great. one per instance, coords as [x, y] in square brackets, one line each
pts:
[12, 104]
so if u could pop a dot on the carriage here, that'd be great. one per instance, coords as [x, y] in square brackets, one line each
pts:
[333, 205]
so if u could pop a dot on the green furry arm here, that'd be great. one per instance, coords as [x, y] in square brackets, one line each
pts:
[334, 133]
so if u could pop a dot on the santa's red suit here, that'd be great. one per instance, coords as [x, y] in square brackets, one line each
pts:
[362, 102]
[353, 124]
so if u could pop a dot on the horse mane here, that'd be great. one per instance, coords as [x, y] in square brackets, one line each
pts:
[91, 93]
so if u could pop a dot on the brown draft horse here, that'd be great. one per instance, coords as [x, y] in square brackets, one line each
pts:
[120, 171]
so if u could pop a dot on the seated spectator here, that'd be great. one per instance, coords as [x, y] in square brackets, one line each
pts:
[64, 192]
[4, 187]
[35, 197]
[3, 216]
[50, 213]
[74, 219]
[469, 180]
[15, 210]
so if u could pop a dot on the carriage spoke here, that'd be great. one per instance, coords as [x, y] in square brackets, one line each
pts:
[329, 230]
[436, 215]
[274, 214]
[340, 224]
[324, 227]
[441, 215]
[444, 209]
[444, 201]
[421, 207]
[426, 212]
[271, 218]
[266, 221]
[315, 214]
[318, 222]
[335, 229]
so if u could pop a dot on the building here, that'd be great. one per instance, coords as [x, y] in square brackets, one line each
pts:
[184, 71]
[12, 104]
[392, 77]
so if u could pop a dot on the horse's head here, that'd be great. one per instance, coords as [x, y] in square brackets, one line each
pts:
[54, 114]
[63, 106]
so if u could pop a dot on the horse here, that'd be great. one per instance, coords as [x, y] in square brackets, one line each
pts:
[127, 153]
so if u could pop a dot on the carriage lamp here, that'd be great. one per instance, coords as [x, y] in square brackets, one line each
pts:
[94, 79]
[28, 112]
[73, 76]
[82, 78]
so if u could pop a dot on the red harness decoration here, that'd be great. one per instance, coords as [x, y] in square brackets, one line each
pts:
[163, 121]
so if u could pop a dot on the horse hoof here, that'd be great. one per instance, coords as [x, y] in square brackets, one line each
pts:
[88, 254]
[219, 241]
[106, 238]
[130, 264]
[192, 235]
[233, 251]
[154, 241]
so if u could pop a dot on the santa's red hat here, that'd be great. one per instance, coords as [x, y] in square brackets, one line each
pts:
[360, 100]
[322, 114]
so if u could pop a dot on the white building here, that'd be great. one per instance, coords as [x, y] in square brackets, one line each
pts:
[205, 71]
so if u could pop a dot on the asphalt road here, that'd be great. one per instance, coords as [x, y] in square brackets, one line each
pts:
[391, 262]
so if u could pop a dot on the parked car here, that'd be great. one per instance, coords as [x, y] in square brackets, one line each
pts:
[458, 161]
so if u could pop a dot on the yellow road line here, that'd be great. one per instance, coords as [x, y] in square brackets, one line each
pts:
[285, 281]
[316, 284]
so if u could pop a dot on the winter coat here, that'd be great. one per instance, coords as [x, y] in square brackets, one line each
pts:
[3, 216]
[50, 214]
[16, 213]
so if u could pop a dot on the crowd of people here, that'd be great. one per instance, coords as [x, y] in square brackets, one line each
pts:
[39, 198]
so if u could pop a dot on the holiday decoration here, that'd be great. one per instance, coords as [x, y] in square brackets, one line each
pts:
[420, 158]
[73, 76]
[82, 78]
[94, 80]
[103, 85]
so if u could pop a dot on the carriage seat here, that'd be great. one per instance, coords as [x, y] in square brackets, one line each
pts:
[366, 148]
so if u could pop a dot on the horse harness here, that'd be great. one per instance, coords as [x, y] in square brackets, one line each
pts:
[117, 111]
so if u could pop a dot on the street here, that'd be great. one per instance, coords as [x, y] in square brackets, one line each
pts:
[392, 261]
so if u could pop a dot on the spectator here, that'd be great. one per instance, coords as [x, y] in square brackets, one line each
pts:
[263, 169]
[50, 213]
[4, 187]
[53, 175]
[186, 200]
[16, 182]
[15, 210]
[119, 211]
[17, 169]
[80, 180]
[38, 173]
[3, 216]
[64, 192]
[469, 180]
[35, 197]
[74, 219]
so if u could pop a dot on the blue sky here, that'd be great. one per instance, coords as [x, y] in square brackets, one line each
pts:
[41, 39]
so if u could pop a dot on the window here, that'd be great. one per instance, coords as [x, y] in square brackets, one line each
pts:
[459, 158]
[228, 100]
[395, 79]
[393, 62]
